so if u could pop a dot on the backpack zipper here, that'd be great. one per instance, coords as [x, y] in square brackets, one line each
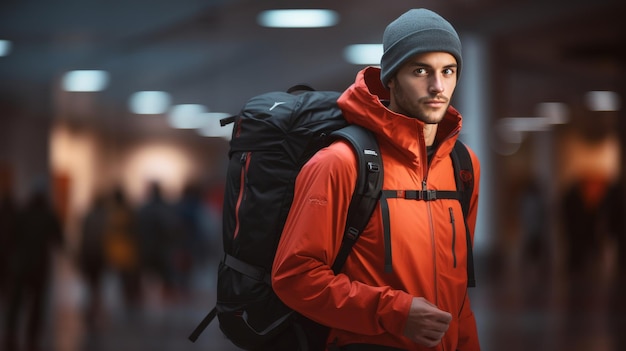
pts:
[243, 182]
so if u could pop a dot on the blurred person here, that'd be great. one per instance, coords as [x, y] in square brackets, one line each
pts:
[194, 247]
[121, 246]
[7, 227]
[158, 237]
[535, 255]
[91, 260]
[422, 303]
[616, 206]
[213, 202]
[38, 234]
[8, 214]
[584, 219]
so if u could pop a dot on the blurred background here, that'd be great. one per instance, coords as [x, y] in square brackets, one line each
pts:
[110, 149]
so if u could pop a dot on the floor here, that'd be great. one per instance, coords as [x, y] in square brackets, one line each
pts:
[517, 308]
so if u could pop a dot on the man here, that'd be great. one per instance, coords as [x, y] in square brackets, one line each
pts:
[422, 303]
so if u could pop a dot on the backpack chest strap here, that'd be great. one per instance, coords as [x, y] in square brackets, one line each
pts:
[425, 195]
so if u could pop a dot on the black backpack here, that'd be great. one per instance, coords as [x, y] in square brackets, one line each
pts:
[274, 135]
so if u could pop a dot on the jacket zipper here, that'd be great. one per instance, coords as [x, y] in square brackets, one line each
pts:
[243, 184]
[452, 222]
[432, 243]
[433, 247]
[432, 230]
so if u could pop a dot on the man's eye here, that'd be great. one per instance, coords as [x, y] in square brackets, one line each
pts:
[448, 71]
[420, 71]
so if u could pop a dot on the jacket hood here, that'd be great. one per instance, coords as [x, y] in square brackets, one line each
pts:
[364, 104]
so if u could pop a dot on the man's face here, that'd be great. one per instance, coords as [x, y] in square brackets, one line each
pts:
[423, 86]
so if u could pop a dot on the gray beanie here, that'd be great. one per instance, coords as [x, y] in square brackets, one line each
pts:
[417, 31]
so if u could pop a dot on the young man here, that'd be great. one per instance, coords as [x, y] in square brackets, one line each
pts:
[422, 303]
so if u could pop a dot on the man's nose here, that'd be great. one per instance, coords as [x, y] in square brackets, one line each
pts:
[436, 84]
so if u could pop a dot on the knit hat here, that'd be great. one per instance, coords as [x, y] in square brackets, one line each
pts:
[417, 31]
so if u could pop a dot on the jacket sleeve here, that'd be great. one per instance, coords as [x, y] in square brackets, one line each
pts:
[302, 275]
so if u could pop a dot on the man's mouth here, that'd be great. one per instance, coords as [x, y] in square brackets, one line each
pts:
[435, 103]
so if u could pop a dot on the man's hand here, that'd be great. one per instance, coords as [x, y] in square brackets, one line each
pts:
[426, 324]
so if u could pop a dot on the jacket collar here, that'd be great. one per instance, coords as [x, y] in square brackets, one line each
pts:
[364, 103]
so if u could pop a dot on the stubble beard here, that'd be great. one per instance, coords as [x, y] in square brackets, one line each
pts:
[428, 114]
[418, 108]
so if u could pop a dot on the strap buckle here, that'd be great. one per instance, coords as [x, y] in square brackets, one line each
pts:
[428, 195]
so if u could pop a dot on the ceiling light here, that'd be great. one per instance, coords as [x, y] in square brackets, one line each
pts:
[5, 47]
[149, 102]
[602, 101]
[85, 80]
[525, 124]
[363, 54]
[555, 112]
[186, 116]
[298, 18]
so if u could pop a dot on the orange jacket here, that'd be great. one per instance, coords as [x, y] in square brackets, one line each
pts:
[365, 304]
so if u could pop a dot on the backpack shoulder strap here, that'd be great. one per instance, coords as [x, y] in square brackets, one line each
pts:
[464, 176]
[367, 190]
